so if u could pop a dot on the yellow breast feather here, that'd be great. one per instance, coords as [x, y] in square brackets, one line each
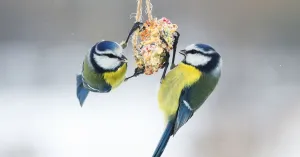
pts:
[117, 77]
[170, 89]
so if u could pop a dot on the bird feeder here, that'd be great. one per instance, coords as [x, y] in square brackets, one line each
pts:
[153, 41]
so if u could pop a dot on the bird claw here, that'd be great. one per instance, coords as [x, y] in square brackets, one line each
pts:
[172, 66]
[161, 80]
[137, 72]
[123, 44]
[136, 25]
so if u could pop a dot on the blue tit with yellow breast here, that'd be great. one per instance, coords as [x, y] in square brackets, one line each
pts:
[186, 87]
[104, 68]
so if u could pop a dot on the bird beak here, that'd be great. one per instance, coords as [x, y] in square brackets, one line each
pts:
[123, 59]
[183, 52]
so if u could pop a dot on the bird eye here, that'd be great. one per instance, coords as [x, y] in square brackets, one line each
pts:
[109, 55]
[193, 51]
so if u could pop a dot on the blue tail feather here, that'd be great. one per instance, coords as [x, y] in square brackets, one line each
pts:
[82, 92]
[164, 140]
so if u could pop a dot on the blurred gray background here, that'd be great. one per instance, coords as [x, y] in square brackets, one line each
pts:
[254, 112]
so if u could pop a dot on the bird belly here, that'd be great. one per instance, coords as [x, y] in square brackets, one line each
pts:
[176, 80]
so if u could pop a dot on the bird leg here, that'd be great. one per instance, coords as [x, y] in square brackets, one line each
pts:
[165, 66]
[163, 40]
[167, 57]
[137, 72]
[176, 38]
[136, 25]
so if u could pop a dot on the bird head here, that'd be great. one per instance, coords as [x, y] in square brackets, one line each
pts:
[108, 55]
[202, 56]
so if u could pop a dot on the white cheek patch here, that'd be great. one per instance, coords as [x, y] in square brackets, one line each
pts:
[106, 62]
[197, 59]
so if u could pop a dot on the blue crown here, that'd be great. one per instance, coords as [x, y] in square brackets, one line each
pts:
[107, 45]
[205, 47]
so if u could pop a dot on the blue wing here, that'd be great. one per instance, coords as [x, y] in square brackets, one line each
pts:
[82, 92]
[184, 113]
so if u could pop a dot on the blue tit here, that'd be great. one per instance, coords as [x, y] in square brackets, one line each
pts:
[186, 87]
[104, 68]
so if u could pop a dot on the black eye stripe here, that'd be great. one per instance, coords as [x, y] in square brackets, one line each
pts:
[108, 55]
[200, 52]
[194, 51]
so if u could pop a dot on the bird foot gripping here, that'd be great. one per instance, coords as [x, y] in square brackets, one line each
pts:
[136, 26]
[137, 71]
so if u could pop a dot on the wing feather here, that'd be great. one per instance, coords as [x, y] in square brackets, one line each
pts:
[185, 111]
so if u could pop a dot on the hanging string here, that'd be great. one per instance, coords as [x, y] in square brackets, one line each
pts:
[138, 18]
[149, 10]
[135, 37]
